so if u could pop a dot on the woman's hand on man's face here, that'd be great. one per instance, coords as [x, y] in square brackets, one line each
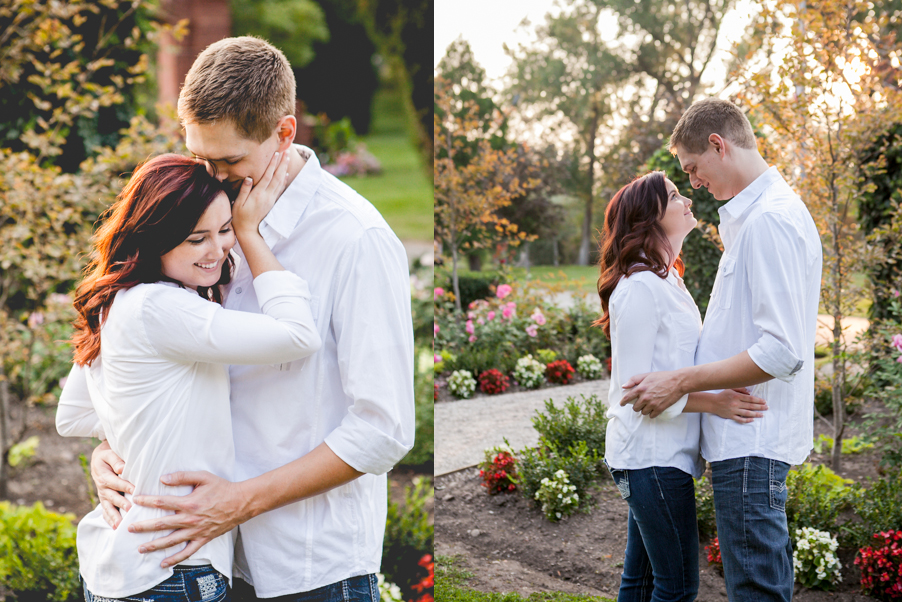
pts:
[256, 199]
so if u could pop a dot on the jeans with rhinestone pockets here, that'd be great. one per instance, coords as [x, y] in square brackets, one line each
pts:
[187, 584]
[661, 561]
[750, 503]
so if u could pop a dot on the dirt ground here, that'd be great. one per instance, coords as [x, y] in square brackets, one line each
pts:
[510, 547]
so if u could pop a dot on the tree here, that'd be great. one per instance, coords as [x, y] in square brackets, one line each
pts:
[45, 213]
[568, 78]
[822, 105]
[471, 182]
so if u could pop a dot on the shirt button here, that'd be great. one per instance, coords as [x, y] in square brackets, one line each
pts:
[238, 290]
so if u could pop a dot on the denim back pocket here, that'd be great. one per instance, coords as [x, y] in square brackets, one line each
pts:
[778, 491]
[622, 480]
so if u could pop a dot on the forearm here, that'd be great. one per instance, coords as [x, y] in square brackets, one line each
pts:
[734, 372]
[315, 473]
[259, 256]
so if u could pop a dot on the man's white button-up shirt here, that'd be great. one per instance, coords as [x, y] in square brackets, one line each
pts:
[356, 393]
[765, 301]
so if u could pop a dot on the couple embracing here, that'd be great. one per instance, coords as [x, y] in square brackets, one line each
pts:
[678, 395]
[267, 387]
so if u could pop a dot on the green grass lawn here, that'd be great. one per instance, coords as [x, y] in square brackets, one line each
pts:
[451, 580]
[402, 193]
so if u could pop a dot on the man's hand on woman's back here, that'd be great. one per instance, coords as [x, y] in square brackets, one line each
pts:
[106, 467]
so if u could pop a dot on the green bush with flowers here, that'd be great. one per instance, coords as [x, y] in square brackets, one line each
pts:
[557, 496]
[462, 384]
[881, 566]
[814, 559]
[516, 320]
[589, 367]
[529, 372]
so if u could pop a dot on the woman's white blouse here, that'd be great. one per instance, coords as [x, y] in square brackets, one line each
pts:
[655, 326]
[160, 388]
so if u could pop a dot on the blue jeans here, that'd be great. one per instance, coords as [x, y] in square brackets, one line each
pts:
[364, 588]
[187, 584]
[661, 562]
[750, 504]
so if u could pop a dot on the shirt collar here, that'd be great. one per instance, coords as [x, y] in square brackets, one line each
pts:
[284, 216]
[742, 201]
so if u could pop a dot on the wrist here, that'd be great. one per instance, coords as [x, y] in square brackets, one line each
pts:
[247, 508]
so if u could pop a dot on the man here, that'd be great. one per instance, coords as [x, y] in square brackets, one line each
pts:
[313, 438]
[759, 328]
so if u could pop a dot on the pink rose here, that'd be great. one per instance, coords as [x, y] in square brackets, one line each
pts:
[470, 328]
[472, 338]
[437, 358]
[490, 316]
[897, 341]
[896, 293]
[438, 292]
[899, 359]
[35, 319]
[511, 304]
[435, 329]
[532, 330]
[480, 321]
[538, 316]
[507, 312]
[503, 291]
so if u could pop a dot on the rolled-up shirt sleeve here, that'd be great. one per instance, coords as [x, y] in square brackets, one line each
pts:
[776, 260]
[638, 321]
[372, 324]
[75, 415]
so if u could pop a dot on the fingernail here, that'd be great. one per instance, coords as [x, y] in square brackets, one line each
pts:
[248, 181]
[166, 478]
[142, 550]
[164, 564]
[131, 529]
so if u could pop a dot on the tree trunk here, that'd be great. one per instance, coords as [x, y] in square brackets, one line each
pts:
[583, 258]
[454, 283]
[4, 432]
[839, 364]
[474, 261]
[554, 252]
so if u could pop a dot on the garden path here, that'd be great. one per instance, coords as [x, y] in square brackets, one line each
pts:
[467, 427]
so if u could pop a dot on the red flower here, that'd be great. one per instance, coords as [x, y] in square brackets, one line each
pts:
[559, 372]
[492, 382]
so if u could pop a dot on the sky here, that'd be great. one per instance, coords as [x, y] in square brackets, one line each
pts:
[488, 24]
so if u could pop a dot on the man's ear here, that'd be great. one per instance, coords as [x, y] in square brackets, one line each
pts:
[718, 143]
[286, 130]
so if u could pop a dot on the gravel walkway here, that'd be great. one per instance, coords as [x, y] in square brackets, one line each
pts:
[466, 428]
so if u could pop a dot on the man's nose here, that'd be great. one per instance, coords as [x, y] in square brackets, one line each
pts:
[214, 172]
[694, 182]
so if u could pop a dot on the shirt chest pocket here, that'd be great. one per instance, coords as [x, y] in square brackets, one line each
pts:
[299, 364]
[724, 283]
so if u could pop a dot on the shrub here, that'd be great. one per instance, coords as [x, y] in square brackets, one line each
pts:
[578, 420]
[704, 508]
[557, 496]
[578, 461]
[499, 470]
[559, 372]
[461, 383]
[408, 534]
[879, 507]
[881, 566]
[816, 496]
[529, 373]
[474, 287]
[814, 559]
[492, 382]
[37, 553]
[589, 367]
[424, 441]
[546, 356]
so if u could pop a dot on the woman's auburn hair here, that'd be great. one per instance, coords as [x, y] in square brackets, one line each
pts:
[155, 212]
[633, 238]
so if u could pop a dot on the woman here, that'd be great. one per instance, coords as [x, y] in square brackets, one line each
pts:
[151, 344]
[654, 324]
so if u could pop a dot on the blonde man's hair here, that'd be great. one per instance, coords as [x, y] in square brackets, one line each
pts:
[245, 81]
[711, 116]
